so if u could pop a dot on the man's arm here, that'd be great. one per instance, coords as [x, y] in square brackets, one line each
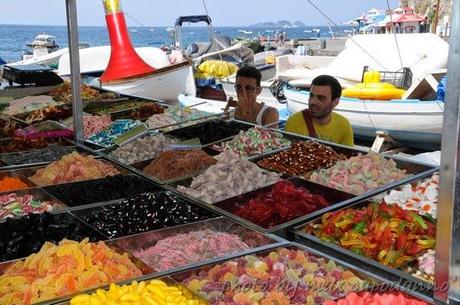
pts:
[271, 117]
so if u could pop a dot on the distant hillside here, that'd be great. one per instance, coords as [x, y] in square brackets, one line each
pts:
[279, 24]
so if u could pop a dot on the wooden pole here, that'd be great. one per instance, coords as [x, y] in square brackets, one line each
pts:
[436, 16]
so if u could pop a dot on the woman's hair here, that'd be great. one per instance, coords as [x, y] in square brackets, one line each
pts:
[332, 82]
[251, 72]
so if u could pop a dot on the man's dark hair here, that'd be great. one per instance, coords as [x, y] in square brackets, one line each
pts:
[251, 72]
[332, 82]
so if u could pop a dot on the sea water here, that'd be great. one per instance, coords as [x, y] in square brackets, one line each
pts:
[13, 38]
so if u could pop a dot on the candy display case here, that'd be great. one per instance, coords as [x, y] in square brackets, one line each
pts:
[291, 274]
[142, 213]
[16, 204]
[282, 162]
[193, 244]
[358, 223]
[83, 194]
[173, 166]
[279, 206]
[13, 180]
[26, 235]
[210, 132]
[56, 113]
[35, 157]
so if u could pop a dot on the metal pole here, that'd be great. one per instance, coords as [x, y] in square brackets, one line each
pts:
[72, 32]
[448, 224]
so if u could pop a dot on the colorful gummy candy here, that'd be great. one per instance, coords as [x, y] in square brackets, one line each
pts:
[283, 277]
[12, 184]
[59, 270]
[282, 203]
[155, 292]
[255, 141]
[385, 233]
[359, 174]
[387, 298]
[13, 205]
[191, 247]
[73, 167]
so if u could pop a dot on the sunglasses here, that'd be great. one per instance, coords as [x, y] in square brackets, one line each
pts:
[247, 88]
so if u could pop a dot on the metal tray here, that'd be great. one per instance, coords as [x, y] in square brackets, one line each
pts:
[145, 269]
[378, 281]
[86, 194]
[25, 231]
[8, 164]
[124, 209]
[363, 274]
[38, 194]
[21, 117]
[168, 280]
[415, 170]
[297, 233]
[141, 165]
[148, 133]
[197, 130]
[30, 171]
[334, 197]
[146, 240]
[16, 174]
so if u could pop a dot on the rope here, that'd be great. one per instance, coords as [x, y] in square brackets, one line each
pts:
[211, 29]
[163, 37]
[350, 37]
[396, 39]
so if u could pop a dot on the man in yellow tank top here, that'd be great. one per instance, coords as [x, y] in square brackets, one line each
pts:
[319, 120]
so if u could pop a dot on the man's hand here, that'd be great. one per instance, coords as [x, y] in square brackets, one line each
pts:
[230, 103]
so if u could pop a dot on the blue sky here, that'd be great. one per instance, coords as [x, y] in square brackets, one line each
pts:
[164, 13]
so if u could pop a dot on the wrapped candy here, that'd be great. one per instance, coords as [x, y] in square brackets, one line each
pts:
[229, 177]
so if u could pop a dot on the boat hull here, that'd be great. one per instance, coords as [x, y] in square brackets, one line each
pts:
[412, 122]
[164, 84]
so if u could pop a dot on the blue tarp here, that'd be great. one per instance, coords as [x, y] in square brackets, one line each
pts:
[2, 62]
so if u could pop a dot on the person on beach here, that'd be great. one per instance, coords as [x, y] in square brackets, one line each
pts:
[247, 87]
[319, 120]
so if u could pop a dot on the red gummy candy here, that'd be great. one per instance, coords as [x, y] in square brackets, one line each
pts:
[283, 203]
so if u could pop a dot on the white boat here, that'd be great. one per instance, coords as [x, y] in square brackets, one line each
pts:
[45, 51]
[421, 53]
[412, 122]
[165, 84]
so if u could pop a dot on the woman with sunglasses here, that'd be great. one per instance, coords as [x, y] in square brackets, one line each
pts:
[247, 87]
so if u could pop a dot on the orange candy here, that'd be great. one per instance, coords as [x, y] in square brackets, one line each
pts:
[11, 184]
